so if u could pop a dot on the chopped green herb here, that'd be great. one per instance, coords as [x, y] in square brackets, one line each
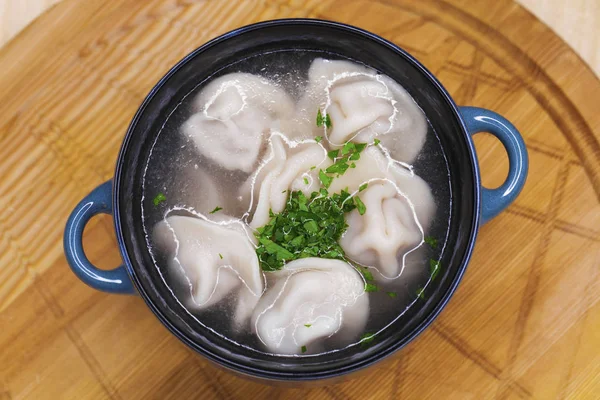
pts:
[325, 179]
[217, 208]
[363, 187]
[421, 293]
[323, 119]
[307, 227]
[313, 167]
[338, 168]
[367, 274]
[366, 339]
[392, 294]
[348, 147]
[159, 199]
[308, 325]
[350, 151]
[376, 142]
[360, 206]
[318, 139]
[434, 268]
[284, 191]
[369, 287]
[220, 256]
[359, 147]
[430, 240]
[319, 118]
[305, 180]
[303, 349]
[354, 157]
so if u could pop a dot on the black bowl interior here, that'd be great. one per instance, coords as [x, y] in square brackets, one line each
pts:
[288, 35]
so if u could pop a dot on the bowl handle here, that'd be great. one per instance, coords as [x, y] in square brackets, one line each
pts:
[494, 201]
[113, 281]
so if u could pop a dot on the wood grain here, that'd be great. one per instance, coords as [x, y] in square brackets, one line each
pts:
[524, 322]
[576, 21]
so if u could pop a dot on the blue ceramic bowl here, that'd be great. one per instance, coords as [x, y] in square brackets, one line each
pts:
[472, 204]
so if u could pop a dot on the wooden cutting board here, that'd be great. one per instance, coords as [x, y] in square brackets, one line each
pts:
[525, 322]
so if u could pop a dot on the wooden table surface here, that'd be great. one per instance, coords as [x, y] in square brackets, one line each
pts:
[525, 321]
[576, 21]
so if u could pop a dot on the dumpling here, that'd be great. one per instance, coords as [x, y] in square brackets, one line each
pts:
[362, 105]
[215, 258]
[196, 189]
[233, 114]
[313, 299]
[289, 166]
[398, 213]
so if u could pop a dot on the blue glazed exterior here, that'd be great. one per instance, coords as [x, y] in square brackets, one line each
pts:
[99, 201]
[485, 205]
[494, 201]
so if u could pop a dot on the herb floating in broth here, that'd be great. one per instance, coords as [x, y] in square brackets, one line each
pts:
[303, 349]
[366, 339]
[307, 227]
[434, 268]
[369, 287]
[392, 294]
[308, 325]
[159, 199]
[323, 120]
[216, 209]
[421, 293]
[431, 241]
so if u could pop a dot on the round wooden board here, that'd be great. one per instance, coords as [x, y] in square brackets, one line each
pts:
[525, 322]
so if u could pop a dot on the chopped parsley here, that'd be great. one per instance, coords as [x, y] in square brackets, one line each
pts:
[431, 241]
[366, 339]
[307, 227]
[342, 160]
[392, 294]
[306, 181]
[367, 274]
[421, 293]
[318, 139]
[376, 142]
[363, 187]
[303, 349]
[308, 325]
[369, 287]
[434, 268]
[323, 120]
[325, 179]
[217, 208]
[220, 256]
[159, 199]
[313, 167]
[362, 209]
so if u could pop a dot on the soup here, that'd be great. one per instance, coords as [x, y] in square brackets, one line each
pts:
[297, 203]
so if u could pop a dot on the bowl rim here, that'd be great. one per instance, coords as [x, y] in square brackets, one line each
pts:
[352, 366]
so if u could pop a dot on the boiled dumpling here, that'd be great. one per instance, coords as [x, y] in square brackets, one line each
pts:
[363, 105]
[233, 115]
[216, 259]
[289, 166]
[313, 299]
[197, 190]
[398, 213]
